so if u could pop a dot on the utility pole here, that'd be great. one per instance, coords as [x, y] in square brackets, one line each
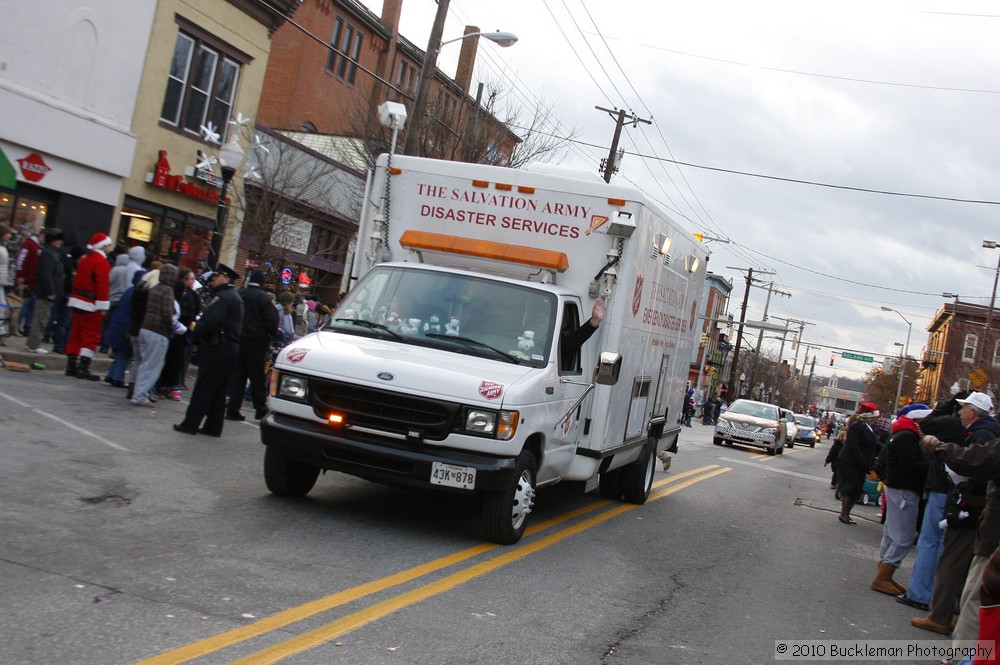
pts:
[413, 140]
[610, 164]
[760, 336]
[798, 342]
[733, 368]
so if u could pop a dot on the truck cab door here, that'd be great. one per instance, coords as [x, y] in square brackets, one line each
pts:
[560, 446]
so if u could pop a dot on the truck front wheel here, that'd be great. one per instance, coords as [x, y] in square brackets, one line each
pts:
[286, 477]
[638, 477]
[505, 512]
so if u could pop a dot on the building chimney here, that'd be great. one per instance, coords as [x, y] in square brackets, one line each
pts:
[467, 59]
[391, 10]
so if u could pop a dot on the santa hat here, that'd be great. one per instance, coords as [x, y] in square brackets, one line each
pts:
[915, 411]
[868, 410]
[99, 241]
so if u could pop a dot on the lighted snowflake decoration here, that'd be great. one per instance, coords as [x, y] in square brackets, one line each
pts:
[259, 145]
[205, 161]
[239, 120]
[210, 133]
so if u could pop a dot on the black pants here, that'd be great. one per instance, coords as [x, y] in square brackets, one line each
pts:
[249, 365]
[208, 399]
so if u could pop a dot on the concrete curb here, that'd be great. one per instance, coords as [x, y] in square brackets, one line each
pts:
[13, 350]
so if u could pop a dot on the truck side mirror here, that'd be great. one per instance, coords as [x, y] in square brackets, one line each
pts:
[609, 366]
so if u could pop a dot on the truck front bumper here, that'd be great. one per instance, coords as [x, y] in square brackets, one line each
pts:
[376, 458]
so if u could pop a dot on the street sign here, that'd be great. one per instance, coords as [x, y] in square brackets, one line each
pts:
[846, 355]
[978, 377]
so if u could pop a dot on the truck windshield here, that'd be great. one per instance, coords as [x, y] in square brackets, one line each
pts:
[457, 313]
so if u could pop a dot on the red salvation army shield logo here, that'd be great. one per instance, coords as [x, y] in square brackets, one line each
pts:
[490, 390]
[33, 167]
[637, 296]
[296, 355]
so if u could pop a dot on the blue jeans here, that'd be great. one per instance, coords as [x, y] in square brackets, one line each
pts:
[27, 313]
[929, 546]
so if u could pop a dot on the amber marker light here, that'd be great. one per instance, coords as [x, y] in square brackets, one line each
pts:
[336, 419]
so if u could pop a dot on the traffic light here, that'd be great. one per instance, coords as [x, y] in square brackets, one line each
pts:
[704, 340]
[831, 360]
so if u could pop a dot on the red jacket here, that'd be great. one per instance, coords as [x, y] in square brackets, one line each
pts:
[91, 285]
[26, 262]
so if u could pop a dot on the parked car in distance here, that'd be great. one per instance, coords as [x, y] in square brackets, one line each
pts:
[808, 430]
[791, 429]
[751, 423]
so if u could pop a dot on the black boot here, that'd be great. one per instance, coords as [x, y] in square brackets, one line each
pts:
[71, 368]
[131, 391]
[84, 370]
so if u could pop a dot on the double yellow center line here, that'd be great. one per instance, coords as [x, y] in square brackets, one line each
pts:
[377, 611]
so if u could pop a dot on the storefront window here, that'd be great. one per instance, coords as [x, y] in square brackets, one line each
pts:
[25, 216]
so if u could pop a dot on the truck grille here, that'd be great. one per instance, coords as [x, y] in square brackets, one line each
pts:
[383, 410]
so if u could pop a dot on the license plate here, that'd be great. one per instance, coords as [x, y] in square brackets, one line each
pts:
[453, 476]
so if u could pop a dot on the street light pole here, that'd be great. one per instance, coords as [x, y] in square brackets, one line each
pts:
[230, 158]
[902, 359]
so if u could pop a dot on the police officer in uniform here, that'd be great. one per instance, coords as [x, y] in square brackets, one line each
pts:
[217, 334]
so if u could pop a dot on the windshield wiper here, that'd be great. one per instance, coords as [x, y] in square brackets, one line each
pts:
[475, 344]
[371, 326]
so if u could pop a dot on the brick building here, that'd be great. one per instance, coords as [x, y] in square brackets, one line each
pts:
[334, 87]
[710, 364]
[959, 347]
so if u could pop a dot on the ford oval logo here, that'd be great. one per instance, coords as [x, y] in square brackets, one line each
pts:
[385, 376]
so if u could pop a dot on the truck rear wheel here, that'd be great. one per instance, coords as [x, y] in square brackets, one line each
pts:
[505, 512]
[611, 484]
[286, 477]
[637, 477]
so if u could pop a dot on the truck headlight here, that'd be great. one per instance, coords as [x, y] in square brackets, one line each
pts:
[293, 387]
[501, 425]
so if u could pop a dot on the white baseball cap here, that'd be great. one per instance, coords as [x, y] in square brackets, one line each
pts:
[981, 401]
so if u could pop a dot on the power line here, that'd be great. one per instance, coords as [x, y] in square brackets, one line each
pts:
[797, 181]
[798, 72]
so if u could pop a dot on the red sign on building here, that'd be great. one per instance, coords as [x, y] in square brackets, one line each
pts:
[33, 167]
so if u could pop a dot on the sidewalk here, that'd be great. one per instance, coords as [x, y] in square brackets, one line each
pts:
[13, 349]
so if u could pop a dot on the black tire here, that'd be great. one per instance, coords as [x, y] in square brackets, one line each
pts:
[505, 512]
[812, 444]
[772, 451]
[789, 444]
[637, 477]
[286, 477]
[716, 440]
[611, 484]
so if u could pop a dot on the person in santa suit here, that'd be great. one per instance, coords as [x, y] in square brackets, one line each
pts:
[89, 300]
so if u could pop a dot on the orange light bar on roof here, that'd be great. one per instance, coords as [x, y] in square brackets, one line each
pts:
[480, 183]
[616, 202]
[487, 249]
[503, 187]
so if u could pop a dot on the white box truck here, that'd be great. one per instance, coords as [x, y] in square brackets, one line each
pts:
[455, 363]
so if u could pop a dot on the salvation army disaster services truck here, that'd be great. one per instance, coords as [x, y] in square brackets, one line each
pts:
[449, 364]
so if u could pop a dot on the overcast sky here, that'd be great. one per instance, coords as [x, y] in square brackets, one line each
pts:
[900, 97]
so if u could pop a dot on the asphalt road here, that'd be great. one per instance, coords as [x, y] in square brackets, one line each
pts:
[125, 542]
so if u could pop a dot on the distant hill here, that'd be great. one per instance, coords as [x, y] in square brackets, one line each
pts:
[844, 382]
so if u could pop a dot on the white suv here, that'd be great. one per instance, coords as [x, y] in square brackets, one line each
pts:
[750, 423]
